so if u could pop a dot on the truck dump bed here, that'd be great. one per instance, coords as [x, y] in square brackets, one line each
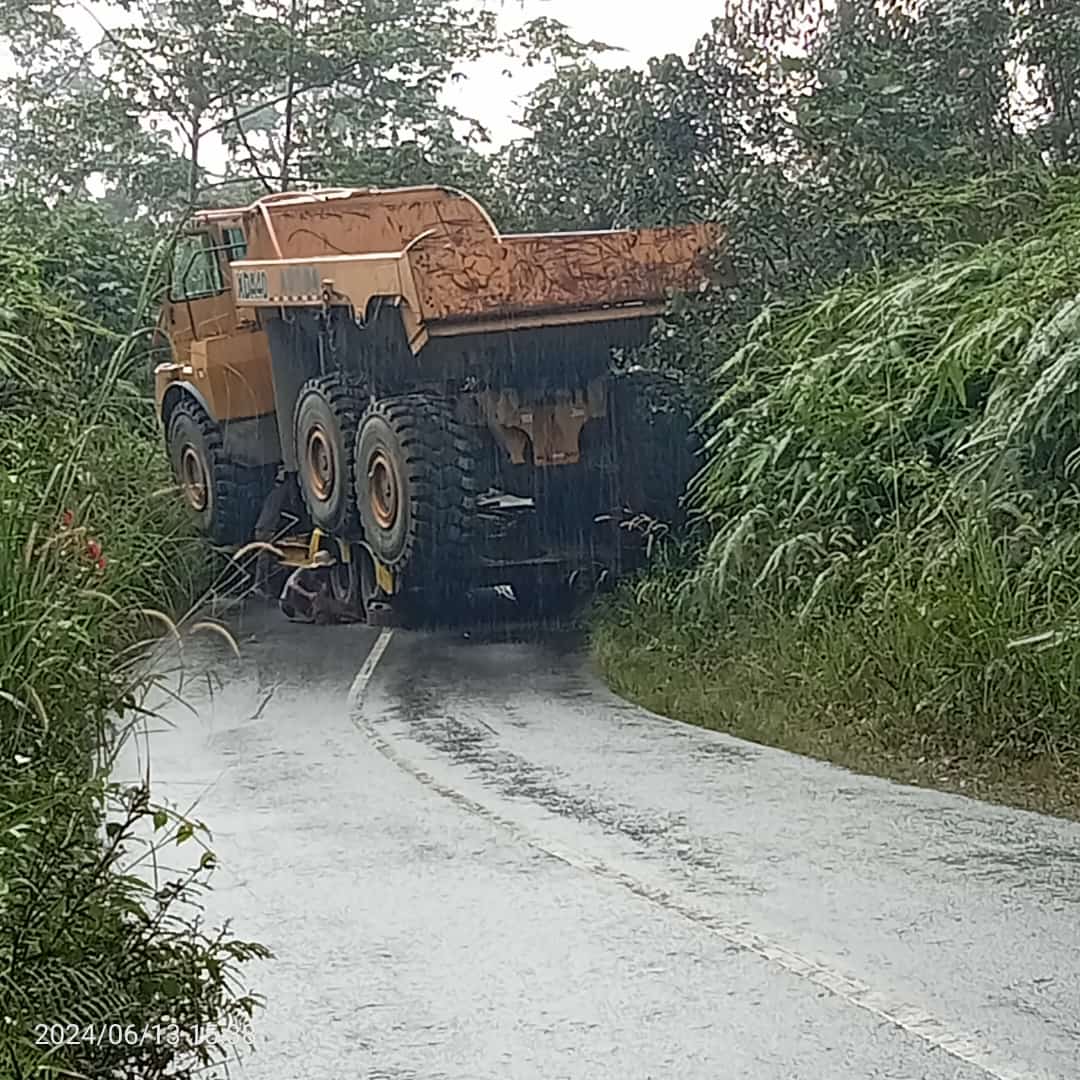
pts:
[511, 276]
[438, 253]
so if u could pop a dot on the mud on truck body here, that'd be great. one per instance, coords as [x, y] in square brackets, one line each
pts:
[432, 401]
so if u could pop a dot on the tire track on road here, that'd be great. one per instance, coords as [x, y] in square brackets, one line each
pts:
[968, 1048]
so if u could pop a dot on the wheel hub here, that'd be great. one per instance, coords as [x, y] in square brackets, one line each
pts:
[319, 464]
[383, 490]
[193, 478]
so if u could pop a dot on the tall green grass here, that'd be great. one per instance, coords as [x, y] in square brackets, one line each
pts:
[890, 504]
[93, 551]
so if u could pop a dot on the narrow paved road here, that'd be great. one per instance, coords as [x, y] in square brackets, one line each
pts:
[473, 861]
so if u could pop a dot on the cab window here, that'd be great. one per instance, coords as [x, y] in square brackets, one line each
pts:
[195, 270]
[234, 243]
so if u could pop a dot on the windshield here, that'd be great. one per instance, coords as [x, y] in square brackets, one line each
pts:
[195, 268]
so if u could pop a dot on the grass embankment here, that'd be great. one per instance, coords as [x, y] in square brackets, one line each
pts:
[890, 573]
[90, 541]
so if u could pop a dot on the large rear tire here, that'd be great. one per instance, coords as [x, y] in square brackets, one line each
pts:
[224, 498]
[324, 421]
[416, 486]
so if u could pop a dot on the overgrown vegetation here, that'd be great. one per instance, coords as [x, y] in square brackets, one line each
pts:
[883, 568]
[892, 509]
[92, 548]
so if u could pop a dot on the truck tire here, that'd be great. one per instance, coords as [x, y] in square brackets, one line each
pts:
[416, 486]
[223, 497]
[327, 411]
[657, 448]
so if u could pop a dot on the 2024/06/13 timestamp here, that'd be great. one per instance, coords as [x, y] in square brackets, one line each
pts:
[163, 1034]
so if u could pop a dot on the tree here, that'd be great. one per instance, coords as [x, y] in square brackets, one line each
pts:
[191, 67]
[291, 91]
[61, 128]
[892, 98]
[276, 92]
[792, 123]
[218, 100]
[1047, 46]
[626, 147]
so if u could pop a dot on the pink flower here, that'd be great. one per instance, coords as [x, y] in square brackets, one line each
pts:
[67, 519]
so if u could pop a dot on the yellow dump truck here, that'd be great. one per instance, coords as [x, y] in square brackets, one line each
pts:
[431, 398]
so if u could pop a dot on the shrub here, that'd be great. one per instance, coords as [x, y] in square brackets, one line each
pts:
[91, 545]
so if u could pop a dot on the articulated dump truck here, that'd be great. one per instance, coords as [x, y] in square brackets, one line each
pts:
[381, 373]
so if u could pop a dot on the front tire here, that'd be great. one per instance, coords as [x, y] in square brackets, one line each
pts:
[223, 497]
[416, 485]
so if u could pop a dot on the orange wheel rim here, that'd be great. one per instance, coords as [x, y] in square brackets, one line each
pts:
[383, 491]
[319, 463]
[193, 478]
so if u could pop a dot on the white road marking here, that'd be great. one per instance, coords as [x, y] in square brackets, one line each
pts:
[966, 1047]
[363, 676]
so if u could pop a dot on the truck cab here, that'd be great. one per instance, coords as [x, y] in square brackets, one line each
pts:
[214, 396]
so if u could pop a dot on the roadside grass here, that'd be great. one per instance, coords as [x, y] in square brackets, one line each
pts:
[95, 562]
[884, 572]
[833, 698]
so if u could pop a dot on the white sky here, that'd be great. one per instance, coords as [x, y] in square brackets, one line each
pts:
[643, 28]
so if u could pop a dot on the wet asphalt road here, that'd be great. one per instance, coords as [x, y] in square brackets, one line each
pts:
[473, 861]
